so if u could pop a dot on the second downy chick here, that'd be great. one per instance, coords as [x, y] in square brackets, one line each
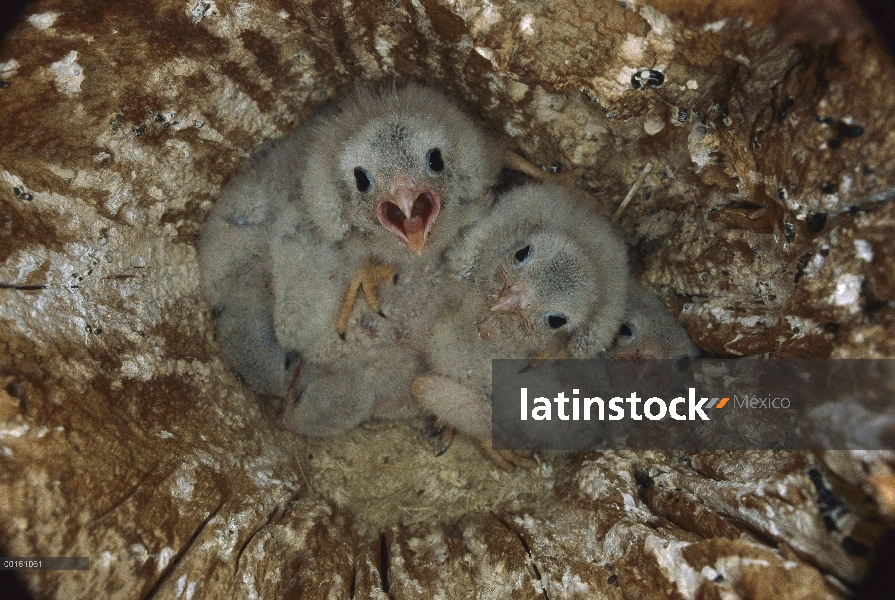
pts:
[544, 275]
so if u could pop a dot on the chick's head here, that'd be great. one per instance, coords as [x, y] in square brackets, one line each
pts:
[407, 162]
[546, 285]
[552, 269]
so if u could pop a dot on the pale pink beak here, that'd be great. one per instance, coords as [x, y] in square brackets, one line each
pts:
[409, 211]
[512, 299]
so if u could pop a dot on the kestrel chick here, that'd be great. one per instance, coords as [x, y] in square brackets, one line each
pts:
[387, 179]
[544, 275]
[391, 174]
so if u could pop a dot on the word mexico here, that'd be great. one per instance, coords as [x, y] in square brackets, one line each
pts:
[653, 408]
[632, 404]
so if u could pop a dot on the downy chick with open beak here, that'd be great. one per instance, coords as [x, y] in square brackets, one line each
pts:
[386, 180]
[544, 275]
[393, 172]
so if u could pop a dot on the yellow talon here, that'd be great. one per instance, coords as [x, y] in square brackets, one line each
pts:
[366, 278]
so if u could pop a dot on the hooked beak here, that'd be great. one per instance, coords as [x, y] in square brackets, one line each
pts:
[513, 298]
[409, 210]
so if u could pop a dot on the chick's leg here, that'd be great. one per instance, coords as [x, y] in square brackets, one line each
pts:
[365, 279]
[455, 406]
[469, 410]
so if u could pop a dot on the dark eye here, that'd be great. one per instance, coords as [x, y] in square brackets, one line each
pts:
[522, 255]
[555, 320]
[363, 179]
[627, 331]
[434, 160]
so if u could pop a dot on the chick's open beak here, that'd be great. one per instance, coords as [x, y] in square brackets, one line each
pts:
[409, 210]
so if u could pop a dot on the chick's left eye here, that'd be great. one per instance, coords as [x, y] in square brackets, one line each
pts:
[434, 160]
[362, 179]
[555, 320]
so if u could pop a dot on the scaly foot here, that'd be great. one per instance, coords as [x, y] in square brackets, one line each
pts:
[366, 278]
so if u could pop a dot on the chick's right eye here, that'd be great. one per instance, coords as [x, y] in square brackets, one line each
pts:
[521, 255]
[555, 320]
[434, 160]
[362, 179]
[627, 331]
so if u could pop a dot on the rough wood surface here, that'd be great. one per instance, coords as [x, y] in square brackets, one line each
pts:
[766, 223]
